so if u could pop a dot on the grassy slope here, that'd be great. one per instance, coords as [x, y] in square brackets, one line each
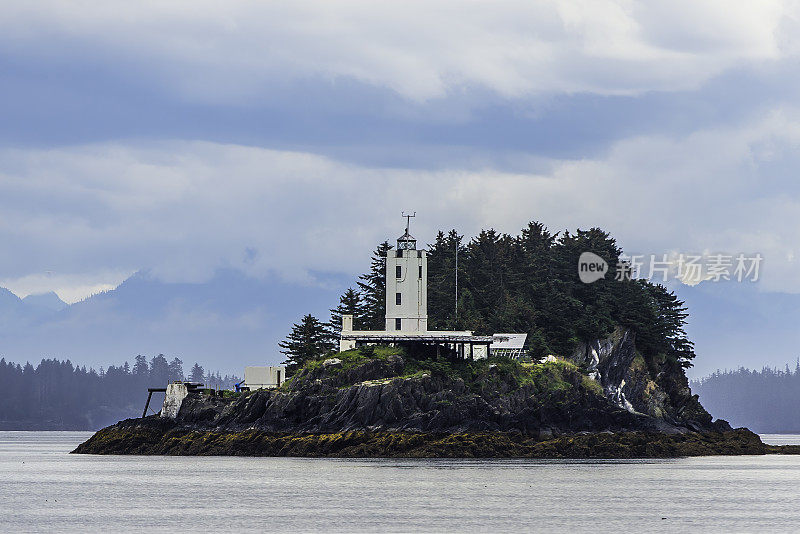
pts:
[550, 377]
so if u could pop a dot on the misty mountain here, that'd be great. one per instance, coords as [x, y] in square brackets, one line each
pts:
[16, 313]
[9, 301]
[225, 323]
[45, 301]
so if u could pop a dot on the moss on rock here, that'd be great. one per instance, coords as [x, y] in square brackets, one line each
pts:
[159, 440]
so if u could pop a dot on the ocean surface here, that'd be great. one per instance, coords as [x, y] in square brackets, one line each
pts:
[43, 488]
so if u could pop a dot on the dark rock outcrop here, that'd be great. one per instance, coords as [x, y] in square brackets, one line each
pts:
[422, 404]
[165, 439]
[654, 386]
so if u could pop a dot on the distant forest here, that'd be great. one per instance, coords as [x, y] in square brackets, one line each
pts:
[57, 395]
[764, 401]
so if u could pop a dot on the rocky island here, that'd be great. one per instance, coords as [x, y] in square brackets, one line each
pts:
[605, 401]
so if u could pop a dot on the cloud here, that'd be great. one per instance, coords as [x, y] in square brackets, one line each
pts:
[239, 51]
[411, 85]
[186, 209]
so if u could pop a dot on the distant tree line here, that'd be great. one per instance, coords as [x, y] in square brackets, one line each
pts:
[58, 395]
[764, 401]
[525, 283]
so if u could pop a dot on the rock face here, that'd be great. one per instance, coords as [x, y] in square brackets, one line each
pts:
[652, 386]
[423, 404]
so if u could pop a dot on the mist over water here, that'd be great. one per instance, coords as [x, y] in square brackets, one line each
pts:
[44, 488]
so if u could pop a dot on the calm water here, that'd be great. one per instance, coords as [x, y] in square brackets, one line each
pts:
[42, 488]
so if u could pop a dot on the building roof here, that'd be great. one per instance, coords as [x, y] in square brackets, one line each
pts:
[434, 337]
[406, 237]
[508, 341]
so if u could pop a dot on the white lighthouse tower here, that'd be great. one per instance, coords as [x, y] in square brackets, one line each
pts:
[406, 285]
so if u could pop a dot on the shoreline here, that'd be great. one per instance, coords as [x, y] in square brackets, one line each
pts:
[147, 440]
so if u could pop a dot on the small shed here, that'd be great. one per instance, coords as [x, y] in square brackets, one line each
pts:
[265, 377]
[509, 345]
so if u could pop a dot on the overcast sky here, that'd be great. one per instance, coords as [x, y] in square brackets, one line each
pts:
[285, 138]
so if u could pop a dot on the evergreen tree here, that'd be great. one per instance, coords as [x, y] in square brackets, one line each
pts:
[667, 331]
[308, 340]
[763, 400]
[490, 276]
[159, 370]
[529, 283]
[585, 310]
[349, 304]
[197, 374]
[140, 368]
[176, 369]
[372, 286]
[442, 280]
[214, 380]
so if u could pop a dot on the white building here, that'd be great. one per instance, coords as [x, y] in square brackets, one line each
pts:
[509, 345]
[266, 377]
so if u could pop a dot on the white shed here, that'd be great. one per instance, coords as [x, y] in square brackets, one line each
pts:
[264, 377]
[511, 345]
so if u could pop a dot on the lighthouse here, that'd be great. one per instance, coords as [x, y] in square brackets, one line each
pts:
[406, 285]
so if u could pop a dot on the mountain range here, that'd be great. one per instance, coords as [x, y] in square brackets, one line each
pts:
[225, 323]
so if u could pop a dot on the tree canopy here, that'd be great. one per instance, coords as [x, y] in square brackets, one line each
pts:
[372, 287]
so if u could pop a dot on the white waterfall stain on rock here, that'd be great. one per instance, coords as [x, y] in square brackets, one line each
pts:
[617, 395]
[608, 362]
[173, 399]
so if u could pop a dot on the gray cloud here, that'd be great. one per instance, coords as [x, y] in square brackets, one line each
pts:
[408, 85]
[231, 52]
[188, 208]
[287, 137]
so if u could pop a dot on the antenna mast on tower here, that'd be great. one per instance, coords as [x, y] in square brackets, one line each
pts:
[408, 219]
[456, 293]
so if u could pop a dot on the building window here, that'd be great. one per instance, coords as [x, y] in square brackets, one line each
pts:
[398, 271]
[420, 271]
[398, 299]
[398, 323]
[399, 253]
